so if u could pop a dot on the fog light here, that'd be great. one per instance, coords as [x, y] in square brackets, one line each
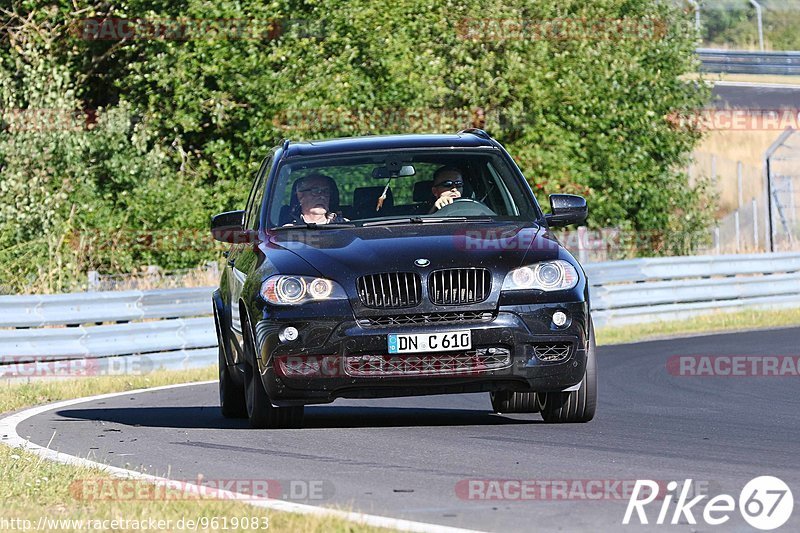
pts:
[288, 334]
[559, 318]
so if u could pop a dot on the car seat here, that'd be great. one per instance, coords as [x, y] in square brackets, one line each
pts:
[365, 200]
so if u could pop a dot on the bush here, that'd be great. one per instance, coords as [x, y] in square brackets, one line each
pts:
[177, 127]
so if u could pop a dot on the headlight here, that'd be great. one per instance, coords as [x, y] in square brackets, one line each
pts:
[293, 290]
[550, 276]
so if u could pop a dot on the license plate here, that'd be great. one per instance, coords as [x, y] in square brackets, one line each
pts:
[430, 342]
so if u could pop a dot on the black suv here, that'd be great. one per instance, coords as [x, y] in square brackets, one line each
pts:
[348, 276]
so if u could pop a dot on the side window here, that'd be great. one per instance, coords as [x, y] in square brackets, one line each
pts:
[498, 194]
[257, 196]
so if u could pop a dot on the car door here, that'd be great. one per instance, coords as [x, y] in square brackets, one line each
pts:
[241, 258]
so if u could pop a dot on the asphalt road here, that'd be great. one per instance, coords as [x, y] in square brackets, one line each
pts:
[766, 97]
[406, 457]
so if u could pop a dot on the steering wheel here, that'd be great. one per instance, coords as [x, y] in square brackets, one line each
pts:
[465, 207]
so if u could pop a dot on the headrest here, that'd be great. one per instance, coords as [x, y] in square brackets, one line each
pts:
[366, 197]
[422, 191]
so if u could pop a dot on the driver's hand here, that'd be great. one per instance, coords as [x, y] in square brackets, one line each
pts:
[446, 198]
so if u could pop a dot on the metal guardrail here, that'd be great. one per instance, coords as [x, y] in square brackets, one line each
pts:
[105, 341]
[169, 328]
[93, 307]
[178, 331]
[745, 62]
[648, 290]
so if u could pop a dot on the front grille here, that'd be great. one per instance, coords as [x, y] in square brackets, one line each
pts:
[457, 363]
[427, 318]
[390, 290]
[458, 286]
[552, 351]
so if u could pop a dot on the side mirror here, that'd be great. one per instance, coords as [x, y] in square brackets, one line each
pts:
[229, 227]
[566, 209]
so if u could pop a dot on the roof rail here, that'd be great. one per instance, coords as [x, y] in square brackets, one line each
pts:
[476, 131]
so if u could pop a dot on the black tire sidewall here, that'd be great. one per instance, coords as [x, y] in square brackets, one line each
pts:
[556, 406]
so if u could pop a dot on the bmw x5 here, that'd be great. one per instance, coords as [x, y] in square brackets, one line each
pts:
[347, 278]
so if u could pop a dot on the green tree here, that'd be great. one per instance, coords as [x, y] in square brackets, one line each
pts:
[580, 93]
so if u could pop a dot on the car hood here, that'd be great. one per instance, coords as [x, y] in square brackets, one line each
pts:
[345, 253]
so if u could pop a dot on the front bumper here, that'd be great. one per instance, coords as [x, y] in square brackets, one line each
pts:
[517, 348]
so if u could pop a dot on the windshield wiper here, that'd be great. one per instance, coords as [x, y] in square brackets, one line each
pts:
[414, 220]
[426, 220]
[314, 225]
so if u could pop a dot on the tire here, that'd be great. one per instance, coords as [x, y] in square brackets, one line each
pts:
[260, 411]
[231, 395]
[575, 406]
[505, 401]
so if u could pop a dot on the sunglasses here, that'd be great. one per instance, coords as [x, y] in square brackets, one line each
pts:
[449, 184]
[321, 191]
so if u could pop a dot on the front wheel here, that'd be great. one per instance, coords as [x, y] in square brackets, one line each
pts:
[574, 406]
[260, 411]
[507, 402]
[231, 395]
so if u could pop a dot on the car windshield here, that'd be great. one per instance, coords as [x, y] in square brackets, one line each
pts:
[387, 187]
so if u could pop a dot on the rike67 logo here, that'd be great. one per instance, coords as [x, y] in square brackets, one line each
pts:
[765, 503]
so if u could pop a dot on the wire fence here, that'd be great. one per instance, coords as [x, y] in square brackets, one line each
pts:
[758, 210]
[154, 277]
[783, 186]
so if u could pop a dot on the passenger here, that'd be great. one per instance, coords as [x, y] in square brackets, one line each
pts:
[314, 200]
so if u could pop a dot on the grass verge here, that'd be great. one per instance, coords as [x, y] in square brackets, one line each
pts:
[712, 77]
[35, 489]
[754, 78]
[703, 324]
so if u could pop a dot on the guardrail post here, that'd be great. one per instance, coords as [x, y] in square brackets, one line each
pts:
[152, 274]
[739, 172]
[93, 277]
[736, 223]
[716, 240]
[755, 223]
[582, 245]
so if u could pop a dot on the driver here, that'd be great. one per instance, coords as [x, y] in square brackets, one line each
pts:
[448, 184]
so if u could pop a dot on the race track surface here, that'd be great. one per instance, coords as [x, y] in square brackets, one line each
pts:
[766, 97]
[406, 457]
